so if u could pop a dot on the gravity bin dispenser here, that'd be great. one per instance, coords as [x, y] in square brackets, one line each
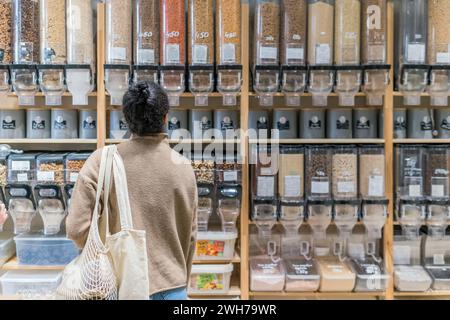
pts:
[5, 81]
[375, 82]
[439, 86]
[348, 83]
[50, 205]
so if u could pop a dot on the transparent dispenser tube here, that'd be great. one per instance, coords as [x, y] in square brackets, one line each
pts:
[293, 83]
[439, 87]
[320, 84]
[117, 79]
[21, 206]
[229, 82]
[205, 206]
[375, 81]
[348, 83]
[24, 82]
[229, 206]
[51, 82]
[412, 215]
[413, 81]
[292, 215]
[145, 73]
[438, 214]
[80, 83]
[5, 81]
[374, 216]
[266, 83]
[264, 214]
[320, 216]
[173, 81]
[346, 216]
[51, 208]
[201, 83]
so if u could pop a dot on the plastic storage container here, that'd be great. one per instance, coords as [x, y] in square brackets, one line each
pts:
[88, 124]
[335, 275]
[407, 251]
[266, 275]
[312, 124]
[411, 279]
[370, 275]
[50, 205]
[438, 215]
[365, 124]
[285, 124]
[50, 168]
[177, 126]
[292, 215]
[203, 168]
[264, 214]
[25, 24]
[259, 124]
[205, 206]
[346, 216]
[12, 124]
[318, 172]
[74, 162]
[420, 124]
[210, 279]
[320, 32]
[31, 285]
[229, 206]
[410, 171]
[227, 122]
[40, 250]
[291, 175]
[38, 124]
[118, 127]
[20, 206]
[339, 124]
[264, 173]
[301, 275]
[212, 246]
[436, 172]
[201, 123]
[345, 172]
[118, 31]
[5, 41]
[374, 32]
[372, 172]
[374, 215]
[146, 25]
[347, 32]
[228, 169]
[64, 124]
[22, 167]
[7, 248]
[411, 215]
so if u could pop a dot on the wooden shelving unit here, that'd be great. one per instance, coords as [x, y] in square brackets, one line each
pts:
[13, 264]
[318, 295]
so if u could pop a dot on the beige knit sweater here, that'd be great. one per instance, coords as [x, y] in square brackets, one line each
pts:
[163, 196]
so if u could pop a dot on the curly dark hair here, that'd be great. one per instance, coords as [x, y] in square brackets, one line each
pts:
[144, 107]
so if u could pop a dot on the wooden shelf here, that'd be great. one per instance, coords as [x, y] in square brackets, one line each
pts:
[423, 294]
[307, 94]
[13, 264]
[184, 141]
[235, 291]
[51, 144]
[344, 295]
[421, 141]
[236, 259]
[317, 141]
[400, 94]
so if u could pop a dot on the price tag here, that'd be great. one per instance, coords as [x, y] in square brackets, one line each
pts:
[119, 53]
[20, 165]
[74, 176]
[22, 177]
[320, 187]
[345, 187]
[269, 53]
[173, 53]
[416, 53]
[230, 176]
[376, 186]
[437, 191]
[228, 53]
[48, 176]
[415, 191]
[438, 259]
[402, 255]
[323, 53]
[292, 186]
[266, 187]
[200, 54]
[294, 54]
[146, 56]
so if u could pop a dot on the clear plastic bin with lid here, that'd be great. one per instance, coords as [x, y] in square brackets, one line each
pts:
[80, 68]
[293, 50]
[347, 55]
[146, 40]
[438, 43]
[266, 47]
[201, 50]
[25, 24]
[228, 50]
[229, 206]
[21, 206]
[173, 48]
[412, 41]
[5, 50]
[118, 48]
[320, 50]
[50, 206]
[437, 261]
[374, 50]
[53, 50]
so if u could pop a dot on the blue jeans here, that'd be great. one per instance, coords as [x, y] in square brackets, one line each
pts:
[175, 294]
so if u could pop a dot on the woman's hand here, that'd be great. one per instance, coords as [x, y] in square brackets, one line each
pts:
[3, 214]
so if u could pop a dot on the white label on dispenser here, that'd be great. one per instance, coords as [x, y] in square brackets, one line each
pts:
[320, 187]
[269, 53]
[20, 165]
[323, 53]
[22, 177]
[146, 56]
[74, 176]
[228, 53]
[172, 53]
[345, 187]
[437, 191]
[266, 186]
[376, 186]
[438, 259]
[415, 191]
[402, 254]
[200, 54]
[443, 57]
[294, 54]
[230, 176]
[118, 53]
[266, 171]
[416, 53]
[46, 176]
[292, 186]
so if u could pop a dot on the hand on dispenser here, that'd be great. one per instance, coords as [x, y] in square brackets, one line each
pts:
[3, 214]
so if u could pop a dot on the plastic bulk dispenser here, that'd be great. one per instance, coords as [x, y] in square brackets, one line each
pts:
[374, 216]
[229, 206]
[118, 48]
[146, 40]
[50, 205]
[346, 213]
[266, 47]
[173, 49]
[205, 206]
[413, 77]
[21, 206]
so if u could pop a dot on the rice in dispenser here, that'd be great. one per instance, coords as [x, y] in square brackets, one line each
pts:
[53, 50]
[439, 51]
[293, 49]
[229, 206]
[118, 48]
[437, 261]
[228, 53]
[146, 40]
[320, 49]
[51, 207]
[201, 49]
[374, 50]
[412, 41]
[173, 48]
[80, 67]
[266, 47]
[5, 47]
[25, 25]
[21, 206]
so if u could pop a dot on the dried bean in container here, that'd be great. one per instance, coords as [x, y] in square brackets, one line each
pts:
[204, 171]
[438, 31]
[3, 174]
[228, 31]
[267, 33]
[374, 36]
[201, 32]
[293, 34]
[80, 34]
[26, 31]
[146, 32]
[320, 33]
[347, 32]
[318, 172]
[436, 174]
[53, 35]
[56, 168]
[5, 31]
[371, 175]
[173, 32]
[345, 169]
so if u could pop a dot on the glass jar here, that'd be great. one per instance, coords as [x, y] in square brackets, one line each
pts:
[345, 172]
[318, 172]
[291, 176]
[372, 172]
[50, 206]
